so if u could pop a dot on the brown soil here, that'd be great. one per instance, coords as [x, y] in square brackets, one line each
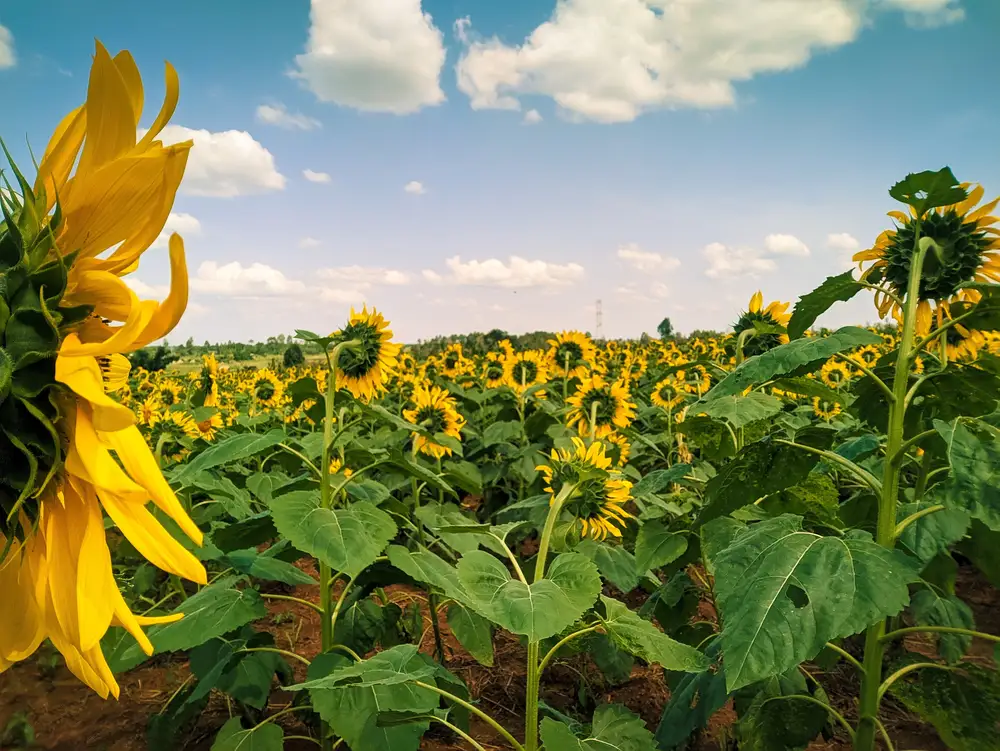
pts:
[67, 716]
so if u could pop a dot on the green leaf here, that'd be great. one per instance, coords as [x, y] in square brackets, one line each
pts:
[366, 624]
[783, 593]
[816, 497]
[473, 632]
[741, 410]
[928, 190]
[657, 546]
[932, 609]
[810, 387]
[694, 698]
[247, 533]
[776, 721]
[640, 637]
[346, 539]
[974, 483]
[982, 547]
[812, 305]
[415, 469]
[800, 353]
[251, 562]
[447, 521]
[6, 371]
[932, 533]
[212, 611]
[615, 563]
[233, 737]
[659, 479]
[758, 470]
[963, 706]
[539, 610]
[465, 475]
[232, 449]
[614, 729]
[429, 568]
[498, 432]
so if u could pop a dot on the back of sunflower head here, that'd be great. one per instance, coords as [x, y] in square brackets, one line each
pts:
[32, 283]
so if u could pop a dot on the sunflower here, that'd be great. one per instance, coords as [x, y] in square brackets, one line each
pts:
[494, 370]
[168, 392]
[600, 494]
[434, 410]
[824, 409]
[149, 410]
[56, 580]
[571, 353]
[775, 315]
[115, 369]
[364, 369]
[208, 427]
[618, 448]
[171, 435]
[867, 356]
[667, 394]
[525, 369]
[614, 410]
[453, 363]
[970, 238]
[962, 343]
[835, 373]
[266, 389]
[207, 380]
[336, 466]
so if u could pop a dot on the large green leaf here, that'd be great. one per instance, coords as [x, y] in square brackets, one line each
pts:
[641, 638]
[430, 569]
[211, 612]
[762, 468]
[932, 533]
[787, 358]
[812, 305]
[775, 720]
[539, 610]
[741, 410]
[810, 387]
[974, 483]
[263, 566]
[659, 479]
[929, 189]
[931, 608]
[346, 539]
[232, 449]
[657, 546]
[498, 432]
[233, 737]
[783, 593]
[473, 632]
[614, 729]
[615, 563]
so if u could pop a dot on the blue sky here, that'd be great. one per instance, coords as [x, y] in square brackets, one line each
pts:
[481, 164]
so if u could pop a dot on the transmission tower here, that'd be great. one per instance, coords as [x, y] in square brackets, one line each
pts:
[600, 320]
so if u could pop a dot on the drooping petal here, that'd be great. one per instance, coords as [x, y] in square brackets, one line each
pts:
[83, 376]
[169, 312]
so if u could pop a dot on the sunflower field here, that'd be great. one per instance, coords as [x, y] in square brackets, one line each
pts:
[779, 537]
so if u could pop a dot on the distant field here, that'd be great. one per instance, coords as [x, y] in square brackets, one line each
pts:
[187, 364]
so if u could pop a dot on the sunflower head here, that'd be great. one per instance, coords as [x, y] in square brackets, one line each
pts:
[667, 393]
[525, 369]
[599, 495]
[608, 403]
[967, 238]
[767, 325]
[364, 368]
[494, 370]
[825, 410]
[434, 410]
[571, 353]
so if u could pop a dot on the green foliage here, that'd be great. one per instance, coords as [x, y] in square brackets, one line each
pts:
[614, 729]
[811, 306]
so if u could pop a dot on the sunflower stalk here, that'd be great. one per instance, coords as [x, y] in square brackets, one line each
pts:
[432, 600]
[871, 680]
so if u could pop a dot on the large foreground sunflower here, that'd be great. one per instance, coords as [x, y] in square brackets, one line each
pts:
[364, 369]
[970, 240]
[600, 494]
[58, 426]
[434, 410]
[768, 323]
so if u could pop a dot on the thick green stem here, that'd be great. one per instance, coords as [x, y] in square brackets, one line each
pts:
[432, 603]
[885, 535]
[475, 710]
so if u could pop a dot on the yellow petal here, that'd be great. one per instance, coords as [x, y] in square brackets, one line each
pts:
[110, 118]
[169, 312]
[60, 155]
[21, 627]
[129, 72]
[83, 376]
[756, 301]
[173, 89]
[88, 459]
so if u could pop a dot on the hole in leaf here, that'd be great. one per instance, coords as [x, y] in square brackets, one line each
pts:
[797, 595]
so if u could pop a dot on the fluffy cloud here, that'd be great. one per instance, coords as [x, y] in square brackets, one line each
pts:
[532, 117]
[842, 241]
[724, 261]
[612, 60]
[517, 272]
[277, 114]
[364, 275]
[376, 55]
[225, 164]
[415, 187]
[7, 57]
[929, 13]
[644, 260]
[316, 177]
[183, 224]
[785, 245]
[236, 280]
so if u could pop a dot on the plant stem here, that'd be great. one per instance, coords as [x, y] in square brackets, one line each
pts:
[886, 526]
[566, 639]
[914, 516]
[868, 372]
[299, 600]
[813, 700]
[475, 710]
[938, 630]
[432, 603]
[846, 655]
[887, 683]
[282, 652]
[859, 473]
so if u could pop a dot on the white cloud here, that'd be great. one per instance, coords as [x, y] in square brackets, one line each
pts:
[365, 275]
[724, 261]
[236, 280]
[842, 241]
[612, 60]
[929, 14]
[316, 177]
[7, 57]
[375, 55]
[183, 224]
[785, 245]
[146, 291]
[224, 164]
[659, 290]
[644, 260]
[531, 117]
[415, 187]
[277, 114]
[307, 243]
[517, 272]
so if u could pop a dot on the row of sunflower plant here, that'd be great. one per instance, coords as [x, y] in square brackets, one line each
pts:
[782, 502]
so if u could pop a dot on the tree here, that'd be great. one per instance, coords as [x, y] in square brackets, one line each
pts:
[293, 356]
[152, 359]
[665, 329]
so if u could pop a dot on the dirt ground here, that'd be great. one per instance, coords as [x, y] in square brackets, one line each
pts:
[67, 716]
